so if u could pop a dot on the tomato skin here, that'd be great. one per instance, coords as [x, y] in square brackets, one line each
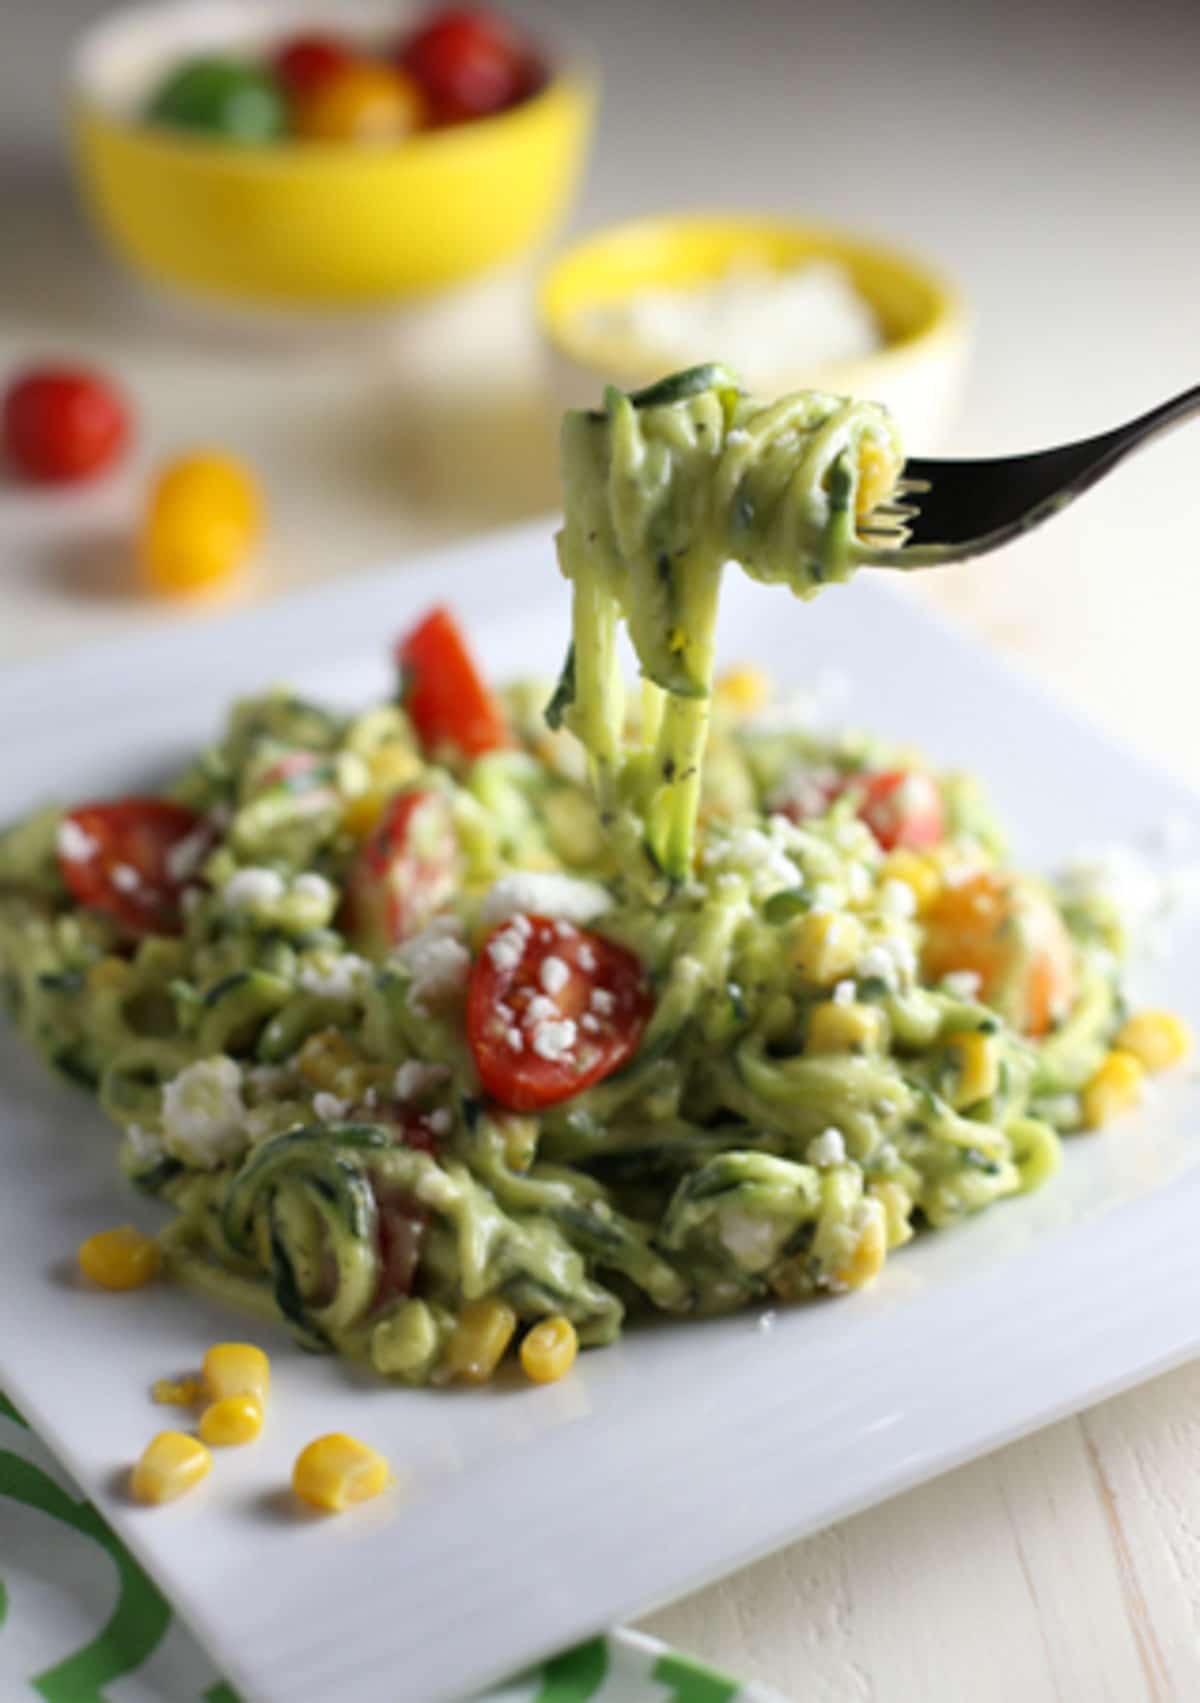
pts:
[360, 101]
[600, 990]
[443, 691]
[902, 807]
[63, 424]
[137, 836]
[303, 61]
[221, 97]
[469, 62]
[406, 871]
[203, 517]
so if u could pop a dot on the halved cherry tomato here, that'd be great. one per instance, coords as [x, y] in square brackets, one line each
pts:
[127, 859]
[303, 61]
[902, 807]
[406, 871]
[443, 691]
[469, 62]
[551, 1009]
[63, 423]
[1008, 933]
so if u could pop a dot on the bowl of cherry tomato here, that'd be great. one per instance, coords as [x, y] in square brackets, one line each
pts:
[250, 153]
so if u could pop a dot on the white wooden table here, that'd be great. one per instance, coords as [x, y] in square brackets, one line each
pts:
[1049, 156]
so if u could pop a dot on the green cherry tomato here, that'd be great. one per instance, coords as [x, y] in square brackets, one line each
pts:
[223, 97]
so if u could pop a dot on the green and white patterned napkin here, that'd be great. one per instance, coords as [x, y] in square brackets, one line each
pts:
[81, 1622]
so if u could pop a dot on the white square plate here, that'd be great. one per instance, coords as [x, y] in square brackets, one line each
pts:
[526, 1518]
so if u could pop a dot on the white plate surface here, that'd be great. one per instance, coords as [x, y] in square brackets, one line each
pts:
[527, 1518]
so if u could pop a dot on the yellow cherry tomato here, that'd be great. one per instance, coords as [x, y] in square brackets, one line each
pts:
[363, 102]
[203, 518]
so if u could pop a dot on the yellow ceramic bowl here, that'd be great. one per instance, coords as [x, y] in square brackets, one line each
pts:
[918, 372]
[310, 225]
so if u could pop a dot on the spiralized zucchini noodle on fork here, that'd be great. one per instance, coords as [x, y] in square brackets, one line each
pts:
[462, 1010]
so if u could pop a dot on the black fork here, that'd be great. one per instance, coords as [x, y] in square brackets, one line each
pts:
[947, 511]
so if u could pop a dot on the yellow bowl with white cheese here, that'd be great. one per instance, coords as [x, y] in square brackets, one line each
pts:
[621, 306]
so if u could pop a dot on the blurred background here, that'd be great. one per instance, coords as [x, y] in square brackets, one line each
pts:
[1046, 157]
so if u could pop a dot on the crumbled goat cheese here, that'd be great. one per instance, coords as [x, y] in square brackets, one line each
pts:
[828, 1148]
[540, 1010]
[515, 1039]
[845, 993]
[554, 975]
[544, 893]
[251, 889]
[414, 1078]
[329, 1108]
[587, 958]
[203, 1112]
[336, 978]
[773, 325]
[553, 1040]
[186, 855]
[441, 1121]
[437, 961]
[897, 899]
[888, 960]
[75, 843]
[751, 1240]
[125, 878]
[310, 885]
[603, 1001]
[963, 984]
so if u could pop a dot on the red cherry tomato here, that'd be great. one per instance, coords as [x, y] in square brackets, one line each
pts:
[306, 60]
[443, 691]
[63, 423]
[552, 1009]
[129, 859]
[406, 871]
[902, 807]
[470, 63]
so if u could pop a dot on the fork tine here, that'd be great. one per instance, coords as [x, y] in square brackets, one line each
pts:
[899, 511]
[912, 487]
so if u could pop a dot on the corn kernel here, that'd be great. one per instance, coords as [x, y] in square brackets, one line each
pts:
[897, 1206]
[827, 945]
[236, 1369]
[232, 1420]
[335, 1471]
[171, 1464]
[548, 1351]
[877, 470]
[480, 1336]
[176, 1392]
[743, 689]
[109, 975]
[362, 813]
[918, 872]
[977, 1067]
[836, 1028]
[1157, 1039]
[1114, 1088]
[323, 1058]
[870, 1248]
[120, 1259]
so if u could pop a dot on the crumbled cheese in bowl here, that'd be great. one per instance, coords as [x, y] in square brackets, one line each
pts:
[765, 323]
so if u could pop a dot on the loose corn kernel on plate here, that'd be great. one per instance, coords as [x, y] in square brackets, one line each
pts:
[555, 1507]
